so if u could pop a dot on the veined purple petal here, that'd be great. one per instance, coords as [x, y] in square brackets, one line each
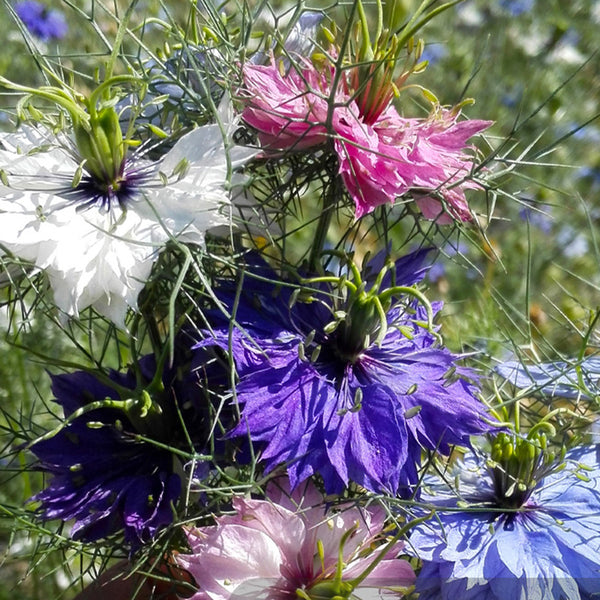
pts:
[365, 419]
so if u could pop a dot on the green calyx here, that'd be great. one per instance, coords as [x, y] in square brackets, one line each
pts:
[328, 590]
[335, 588]
[95, 122]
[360, 315]
[331, 586]
[377, 78]
[100, 144]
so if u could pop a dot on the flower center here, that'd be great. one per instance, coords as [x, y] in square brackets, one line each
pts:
[107, 193]
[102, 149]
[517, 466]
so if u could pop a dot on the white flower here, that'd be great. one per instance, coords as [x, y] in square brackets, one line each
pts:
[97, 245]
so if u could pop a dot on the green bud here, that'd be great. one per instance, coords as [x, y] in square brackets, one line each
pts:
[100, 144]
[507, 451]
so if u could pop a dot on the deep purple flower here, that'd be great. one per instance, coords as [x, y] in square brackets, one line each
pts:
[496, 537]
[44, 23]
[111, 468]
[329, 385]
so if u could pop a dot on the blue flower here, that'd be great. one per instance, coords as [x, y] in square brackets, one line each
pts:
[560, 378]
[490, 542]
[434, 52]
[111, 465]
[516, 7]
[42, 22]
[330, 385]
[540, 218]
[438, 270]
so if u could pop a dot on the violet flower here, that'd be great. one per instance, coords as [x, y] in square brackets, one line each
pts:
[329, 385]
[44, 23]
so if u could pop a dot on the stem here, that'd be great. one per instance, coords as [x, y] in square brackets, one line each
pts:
[329, 199]
[415, 293]
[119, 40]
[123, 405]
[331, 279]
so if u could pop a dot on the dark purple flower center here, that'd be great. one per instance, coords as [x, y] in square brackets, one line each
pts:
[109, 192]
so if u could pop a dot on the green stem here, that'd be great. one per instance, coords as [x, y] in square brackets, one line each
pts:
[119, 40]
[331, 279]
[329, 200]
[411, 291]
[123, 405]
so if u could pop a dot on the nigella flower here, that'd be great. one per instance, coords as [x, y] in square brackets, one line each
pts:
[290, 546]
[111, 464]
[342, 380]
[516, 7]
[381, 156]
[94, 217]
[44, 23]
[182, 88]
[560, 378]
[515, 528]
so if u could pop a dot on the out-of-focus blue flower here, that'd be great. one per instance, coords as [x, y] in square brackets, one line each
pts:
[512, 97]
[111, 467]
[301, 41]
[491, 541]
[538, 217]
[187, 83]
[330, 385]
[438, 269]
[589, 133]
[44, 23]
[516, 7]
[590, 173]
[563, 379]
[434, 52]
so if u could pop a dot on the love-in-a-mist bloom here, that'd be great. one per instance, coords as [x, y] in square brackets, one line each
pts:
[116, 465]
[343, 377]
[576, 379]
[43, 22]
[94, 217]
[381, 157]
[289, 547]
[515, 528]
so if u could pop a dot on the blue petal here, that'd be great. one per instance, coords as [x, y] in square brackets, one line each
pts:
[554, 379]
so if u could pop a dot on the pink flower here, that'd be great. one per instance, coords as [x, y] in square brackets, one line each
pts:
[273, 548]
[379, 162]
[289, 110]
[422, 156]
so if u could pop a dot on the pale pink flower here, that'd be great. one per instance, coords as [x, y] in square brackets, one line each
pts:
[380, 162]
[271, 548]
